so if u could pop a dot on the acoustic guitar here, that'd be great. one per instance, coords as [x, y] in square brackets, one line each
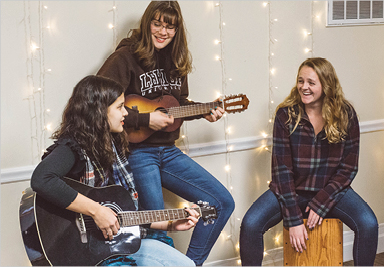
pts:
[169, 105]
[56, 236]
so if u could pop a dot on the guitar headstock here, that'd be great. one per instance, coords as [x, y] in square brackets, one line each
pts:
[235, 103]
[207, 213]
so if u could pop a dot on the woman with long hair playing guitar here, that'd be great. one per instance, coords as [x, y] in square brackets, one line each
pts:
[153, 62]
[91, 147]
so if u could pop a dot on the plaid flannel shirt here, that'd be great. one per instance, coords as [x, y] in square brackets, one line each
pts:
[304, 161]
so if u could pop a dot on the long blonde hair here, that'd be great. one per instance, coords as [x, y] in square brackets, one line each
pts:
[336, 109]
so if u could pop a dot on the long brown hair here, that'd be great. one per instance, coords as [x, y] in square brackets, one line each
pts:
[85, 118]
[336, 109]
[143, 45]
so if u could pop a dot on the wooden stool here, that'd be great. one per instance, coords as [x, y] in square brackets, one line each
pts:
[324, 246]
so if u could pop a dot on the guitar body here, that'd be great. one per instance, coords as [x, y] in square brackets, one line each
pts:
[144, 105]
[52, 237]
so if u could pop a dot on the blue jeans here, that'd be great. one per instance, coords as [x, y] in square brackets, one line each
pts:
[151, 253]
[352, 210]
[168, 167]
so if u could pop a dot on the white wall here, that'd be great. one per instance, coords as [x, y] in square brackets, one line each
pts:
[79, 40]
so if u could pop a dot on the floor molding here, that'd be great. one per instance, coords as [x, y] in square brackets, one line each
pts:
[196, 150]
[241, 144]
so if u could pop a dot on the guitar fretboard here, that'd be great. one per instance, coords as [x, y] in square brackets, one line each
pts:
[130, 218]
[193, 110]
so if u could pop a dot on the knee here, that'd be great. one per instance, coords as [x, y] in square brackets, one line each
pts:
[367, 224]
[226, 204]
[370, 224]
[250, 223]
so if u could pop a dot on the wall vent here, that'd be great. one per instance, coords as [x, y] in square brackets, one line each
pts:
[357, 12]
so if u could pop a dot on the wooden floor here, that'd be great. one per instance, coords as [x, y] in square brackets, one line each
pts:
[379, 261]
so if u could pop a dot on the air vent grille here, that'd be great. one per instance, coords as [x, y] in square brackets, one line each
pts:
[358, 12]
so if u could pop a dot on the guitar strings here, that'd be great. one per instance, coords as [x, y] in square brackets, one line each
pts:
[185, 111]
[132, 218]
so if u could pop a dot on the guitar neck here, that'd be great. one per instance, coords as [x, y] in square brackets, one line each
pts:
[193, 110]
[130, 218]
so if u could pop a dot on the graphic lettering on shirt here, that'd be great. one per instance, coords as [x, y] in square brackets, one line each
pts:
[156, 80]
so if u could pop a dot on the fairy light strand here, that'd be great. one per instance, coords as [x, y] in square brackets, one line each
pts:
[43, 125]
[272, 70]
[31, 48]
[114, 25]
[231, 236]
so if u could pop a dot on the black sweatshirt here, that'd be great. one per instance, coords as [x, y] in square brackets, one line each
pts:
[123, 67]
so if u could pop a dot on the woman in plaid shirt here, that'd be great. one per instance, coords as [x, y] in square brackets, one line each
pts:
[314, 160]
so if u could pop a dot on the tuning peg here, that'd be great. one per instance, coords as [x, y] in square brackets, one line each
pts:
[210, 221]
[199, 202]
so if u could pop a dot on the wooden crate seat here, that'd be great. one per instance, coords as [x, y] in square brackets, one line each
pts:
[324, 246]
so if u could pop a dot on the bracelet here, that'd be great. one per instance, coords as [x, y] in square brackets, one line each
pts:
[169, 226]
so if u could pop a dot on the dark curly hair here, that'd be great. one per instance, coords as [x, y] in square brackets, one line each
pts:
[85, 119]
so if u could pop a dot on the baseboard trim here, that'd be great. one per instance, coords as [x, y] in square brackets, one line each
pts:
[241, 144]
[275, 257]
[197, 150]
[19, 174]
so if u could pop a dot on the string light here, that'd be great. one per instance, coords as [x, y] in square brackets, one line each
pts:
[36, 77]
[231, 222]
[34, 47]
[113, 25]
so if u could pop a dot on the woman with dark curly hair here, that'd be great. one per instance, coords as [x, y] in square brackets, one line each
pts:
[91, 147]
[314, 160]
[153, 64]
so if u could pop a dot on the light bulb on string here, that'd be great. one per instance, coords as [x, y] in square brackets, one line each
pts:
[111, 26]
[265, 4]
[217, 41]
[307, 50]
[34, 47]
[227, 168]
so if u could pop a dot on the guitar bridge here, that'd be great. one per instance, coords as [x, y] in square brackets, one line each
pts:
[82, 229]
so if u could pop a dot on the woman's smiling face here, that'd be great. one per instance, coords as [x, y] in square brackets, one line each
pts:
[309, 86]
[162, 33]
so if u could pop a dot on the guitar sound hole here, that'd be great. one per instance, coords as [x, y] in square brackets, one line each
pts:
[162, 110]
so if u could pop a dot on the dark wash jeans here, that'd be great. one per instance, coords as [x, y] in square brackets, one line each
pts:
[352, 210]
[168, 167]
